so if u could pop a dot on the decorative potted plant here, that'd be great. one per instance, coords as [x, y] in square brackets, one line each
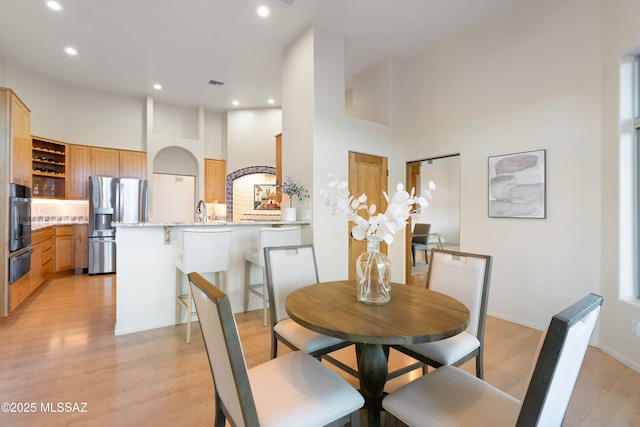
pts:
[291, 189]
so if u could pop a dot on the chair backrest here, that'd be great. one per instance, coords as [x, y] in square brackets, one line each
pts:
[272, 237]
[465, 277]
[226, 359]
[420, 233]
[554, 376]
[206, 250]
[288, 268]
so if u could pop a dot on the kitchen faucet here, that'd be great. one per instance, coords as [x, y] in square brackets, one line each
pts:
[201, 212]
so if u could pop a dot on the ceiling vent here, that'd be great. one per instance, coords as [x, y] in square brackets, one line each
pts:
[284, 3]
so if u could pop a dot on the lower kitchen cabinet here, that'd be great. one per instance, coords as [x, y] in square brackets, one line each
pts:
[81, 244]
[19, 291]
[64, 256]
[41, 257]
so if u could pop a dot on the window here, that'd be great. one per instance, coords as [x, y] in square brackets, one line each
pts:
[636, 123]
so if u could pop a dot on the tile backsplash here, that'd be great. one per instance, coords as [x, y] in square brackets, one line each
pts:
[244, 198]
[49, 212]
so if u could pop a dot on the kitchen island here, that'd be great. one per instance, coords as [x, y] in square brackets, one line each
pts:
[146, 272]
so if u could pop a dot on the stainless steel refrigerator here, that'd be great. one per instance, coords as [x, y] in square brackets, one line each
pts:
[112, 200]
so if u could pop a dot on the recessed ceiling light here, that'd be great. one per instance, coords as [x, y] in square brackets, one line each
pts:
[71, 51]
[270, 101]
[236, 103]
[54, 5]
[157, 86]
[263, 11]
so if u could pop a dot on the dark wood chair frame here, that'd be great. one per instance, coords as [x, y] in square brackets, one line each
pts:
[549, 357]
[482, 320]
[275, 337]
[547, 362]
[237, 361]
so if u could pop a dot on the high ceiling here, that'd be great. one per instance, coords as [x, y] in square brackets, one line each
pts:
[126, 46]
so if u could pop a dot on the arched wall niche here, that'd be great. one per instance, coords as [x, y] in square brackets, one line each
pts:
[175, 161]
[173, 185]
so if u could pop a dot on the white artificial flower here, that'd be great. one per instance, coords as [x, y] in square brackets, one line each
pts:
[379, 226]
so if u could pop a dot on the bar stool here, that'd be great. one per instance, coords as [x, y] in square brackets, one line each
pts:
[268, 238]
[203, 251]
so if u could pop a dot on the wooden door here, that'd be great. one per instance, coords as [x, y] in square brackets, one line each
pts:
[413, 177]
[105, 162]
[79, 170]
[133, 164]
[367, 174]
[215, 175]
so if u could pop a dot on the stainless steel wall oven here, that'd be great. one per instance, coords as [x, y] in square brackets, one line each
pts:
[19, 231]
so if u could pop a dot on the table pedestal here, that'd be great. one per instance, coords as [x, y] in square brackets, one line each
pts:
[372, 366]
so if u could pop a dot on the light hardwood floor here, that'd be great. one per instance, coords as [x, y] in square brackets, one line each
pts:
[60, 348]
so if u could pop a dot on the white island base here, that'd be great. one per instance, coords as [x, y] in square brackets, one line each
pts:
[146, 272]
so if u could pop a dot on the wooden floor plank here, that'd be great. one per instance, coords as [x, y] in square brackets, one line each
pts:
[59, 347]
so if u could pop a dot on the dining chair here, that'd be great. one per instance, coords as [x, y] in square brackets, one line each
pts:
[289, 268]
[291, 390]
[267, 237]
[450, 396]
[466, 277]
[421, 238]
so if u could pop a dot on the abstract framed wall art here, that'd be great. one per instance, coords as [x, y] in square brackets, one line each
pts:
[517, 185]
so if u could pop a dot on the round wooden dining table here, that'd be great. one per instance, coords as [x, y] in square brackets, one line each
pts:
[414, 315]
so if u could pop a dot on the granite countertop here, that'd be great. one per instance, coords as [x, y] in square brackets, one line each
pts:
[41, 225]
[210, 223]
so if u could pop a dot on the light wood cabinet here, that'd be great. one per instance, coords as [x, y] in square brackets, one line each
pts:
[133, 164]
[19, 291]
[105, 162]
[41, 257]
[48, 168]
[18, 116]
[86, 161]
[81, 244]
[215, 174]
[64, 256]
[79, 171]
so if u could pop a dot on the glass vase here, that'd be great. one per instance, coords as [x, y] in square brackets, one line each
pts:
[373, 273]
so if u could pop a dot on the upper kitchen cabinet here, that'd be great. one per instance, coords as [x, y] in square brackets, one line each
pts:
[15, 117]
[79, 171]
[48, 168]
[86, 161]
[215, 173]
[105, 162]
[133, 164]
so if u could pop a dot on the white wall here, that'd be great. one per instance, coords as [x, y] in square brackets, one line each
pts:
[91, 117]
[77, 115]
[251, 137]
[532, 78]
[371, 93]
[318, 135]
